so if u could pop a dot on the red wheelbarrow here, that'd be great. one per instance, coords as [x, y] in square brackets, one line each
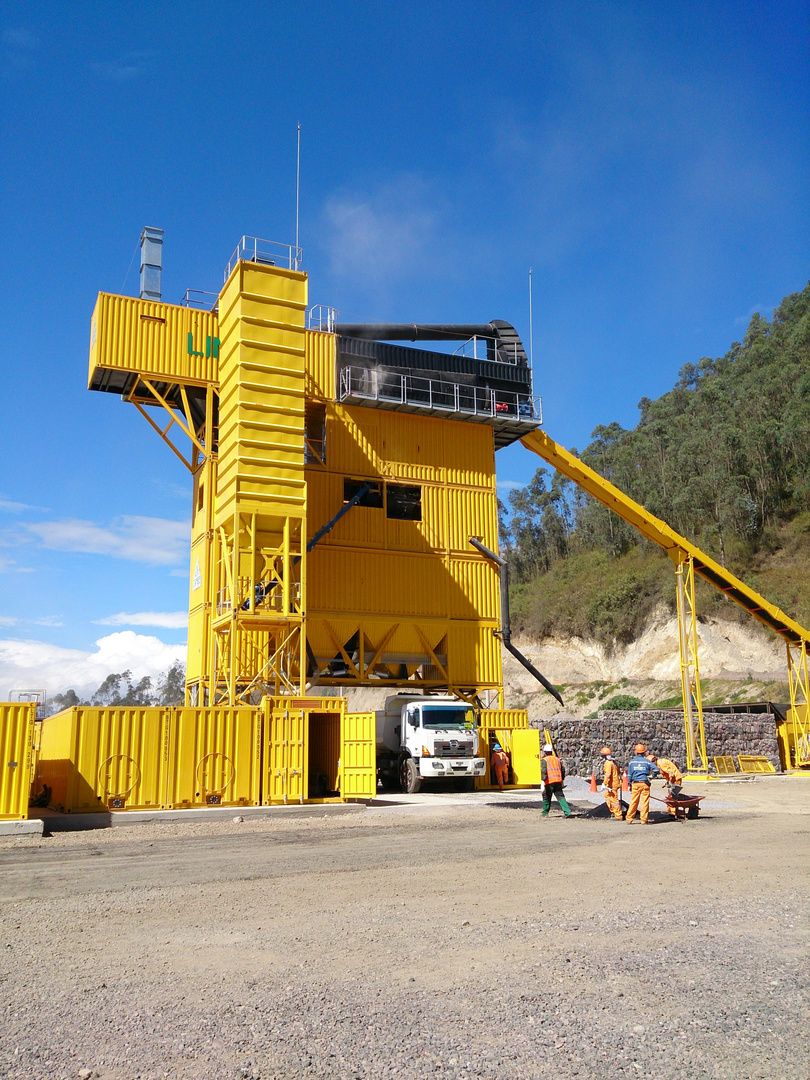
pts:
[685, 806]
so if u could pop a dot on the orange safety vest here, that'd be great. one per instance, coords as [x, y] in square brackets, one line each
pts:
[553, 769]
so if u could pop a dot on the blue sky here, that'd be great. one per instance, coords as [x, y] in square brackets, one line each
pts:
[648, 161]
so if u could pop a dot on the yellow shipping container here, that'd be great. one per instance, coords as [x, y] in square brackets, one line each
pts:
[159, 341]
[214, 757]
[16, 741]
[104, 759]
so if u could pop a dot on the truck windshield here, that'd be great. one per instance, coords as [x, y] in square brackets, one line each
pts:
[444, 716]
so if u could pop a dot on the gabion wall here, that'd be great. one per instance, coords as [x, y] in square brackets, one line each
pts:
[578, 742]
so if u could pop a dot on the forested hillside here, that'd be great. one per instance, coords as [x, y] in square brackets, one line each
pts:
[722, 457]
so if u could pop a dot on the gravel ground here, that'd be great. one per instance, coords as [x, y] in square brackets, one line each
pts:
[450, 937]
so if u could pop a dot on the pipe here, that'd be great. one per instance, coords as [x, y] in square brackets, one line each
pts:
[506, 625]
[413, 332]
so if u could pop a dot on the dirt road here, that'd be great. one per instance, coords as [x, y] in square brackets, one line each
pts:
[447, 938]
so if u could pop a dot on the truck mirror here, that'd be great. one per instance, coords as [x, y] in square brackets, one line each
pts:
[413, 719]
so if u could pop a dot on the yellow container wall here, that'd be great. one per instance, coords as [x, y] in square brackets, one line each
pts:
[215, 757]
[151, 338]
[101, 759]
[16, 740]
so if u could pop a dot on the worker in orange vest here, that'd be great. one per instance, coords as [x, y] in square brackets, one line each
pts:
[640, 772]
[552, 774]
[673, 777]
[499, 764]
[612, 779]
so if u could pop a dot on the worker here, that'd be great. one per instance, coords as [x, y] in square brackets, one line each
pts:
[552, 774]
[640, 772]
[673, 777]
[612, 779]
[499, 764]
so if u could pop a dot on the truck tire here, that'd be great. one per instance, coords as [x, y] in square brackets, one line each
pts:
[409, 779]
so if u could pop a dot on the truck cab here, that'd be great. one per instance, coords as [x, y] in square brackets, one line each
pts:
[428, 738]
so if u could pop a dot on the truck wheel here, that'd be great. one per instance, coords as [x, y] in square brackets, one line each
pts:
[409, 779]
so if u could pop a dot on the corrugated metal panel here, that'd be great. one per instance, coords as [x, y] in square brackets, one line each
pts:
[472, 512]
[469, 454]
[474, 654]
[375, 582]
[215, 756]
[358, 773]
[100, 759]
[16, 739]
[284, 758]
[321, 365]
[474, 593]
[127, 334]
[261, 411]
[353, 439]
[504, 719]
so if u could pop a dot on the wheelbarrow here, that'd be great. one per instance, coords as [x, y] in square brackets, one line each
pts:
[685, 806]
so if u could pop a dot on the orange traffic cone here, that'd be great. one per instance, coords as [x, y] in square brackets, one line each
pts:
[625, 785]
[593, 780]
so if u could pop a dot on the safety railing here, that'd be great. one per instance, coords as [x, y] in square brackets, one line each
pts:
[267, 252]
[321, 317]
[267, 597]
[484, 348]
[200, 298]
[374, 384]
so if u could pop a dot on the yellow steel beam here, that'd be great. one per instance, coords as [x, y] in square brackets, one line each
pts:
[675, 545]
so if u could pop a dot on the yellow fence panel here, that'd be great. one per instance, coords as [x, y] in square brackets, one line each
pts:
[754, 763]
[358, 773]
[16, 740]
[215, 756]
[725, 765]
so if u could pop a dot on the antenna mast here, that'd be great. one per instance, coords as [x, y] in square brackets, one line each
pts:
[531, 329]
[297, 184]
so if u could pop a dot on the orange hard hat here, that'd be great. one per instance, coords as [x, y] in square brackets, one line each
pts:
[651, 756]
[641, 748]
[605, 751]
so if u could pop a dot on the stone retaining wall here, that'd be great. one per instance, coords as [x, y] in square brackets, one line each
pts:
[578, 742]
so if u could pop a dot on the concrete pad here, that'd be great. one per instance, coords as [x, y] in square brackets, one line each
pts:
[32, 827]
[52, 821]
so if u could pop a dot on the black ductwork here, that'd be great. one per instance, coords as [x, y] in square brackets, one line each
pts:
[499, 335]
[506, 626]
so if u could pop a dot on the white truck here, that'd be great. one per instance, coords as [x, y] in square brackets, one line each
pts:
[427, 738]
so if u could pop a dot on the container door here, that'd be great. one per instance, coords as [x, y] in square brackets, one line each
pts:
[285, 756]
[526, 756]
[358, 757]
[16, 737]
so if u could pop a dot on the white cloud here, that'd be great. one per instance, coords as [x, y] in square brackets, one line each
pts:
[129, 66]
[36, 663]
[16, 507]
[170, 620]
[8, 620]
[384, 235]
[509, 485]
[140, 539]
[47, 620]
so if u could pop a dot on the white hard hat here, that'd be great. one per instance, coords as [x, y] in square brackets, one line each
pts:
[548, 748]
